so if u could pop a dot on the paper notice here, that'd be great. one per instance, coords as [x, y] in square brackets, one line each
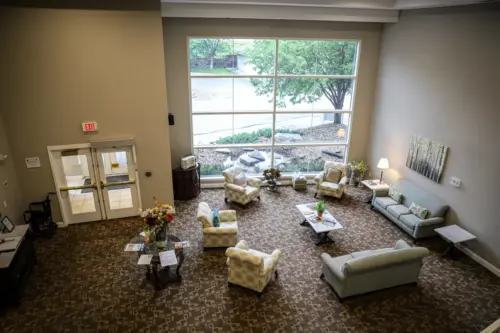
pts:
[145, 259]
[168, 258]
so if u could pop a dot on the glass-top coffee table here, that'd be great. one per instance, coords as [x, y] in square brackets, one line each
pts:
[156, 274]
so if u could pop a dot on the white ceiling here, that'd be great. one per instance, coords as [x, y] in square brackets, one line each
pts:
[315, 10]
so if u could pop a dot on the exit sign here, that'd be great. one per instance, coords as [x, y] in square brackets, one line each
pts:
[90, 126]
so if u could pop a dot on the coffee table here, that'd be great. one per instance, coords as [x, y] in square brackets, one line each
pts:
[320, 226]
[156, 274]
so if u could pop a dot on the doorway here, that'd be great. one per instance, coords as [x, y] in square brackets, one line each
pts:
[96, 181]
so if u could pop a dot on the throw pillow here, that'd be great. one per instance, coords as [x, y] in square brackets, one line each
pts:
[395, 195]
[241, 179]
[216, 219]
[418, 210]
[333, 176]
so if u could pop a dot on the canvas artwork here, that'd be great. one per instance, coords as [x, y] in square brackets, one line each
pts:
[426, 157]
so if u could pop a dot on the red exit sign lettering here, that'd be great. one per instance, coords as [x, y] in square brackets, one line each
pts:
[90, 126]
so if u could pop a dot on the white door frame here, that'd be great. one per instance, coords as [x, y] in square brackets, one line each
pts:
[64, 213]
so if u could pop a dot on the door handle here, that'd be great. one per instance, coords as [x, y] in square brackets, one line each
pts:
[80, 187]
[131, 181]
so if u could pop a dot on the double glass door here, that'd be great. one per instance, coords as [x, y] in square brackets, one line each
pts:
[95, 183]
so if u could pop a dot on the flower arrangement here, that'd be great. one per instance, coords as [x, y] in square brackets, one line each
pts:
[357, 168]
[157, 217]
[272, 174]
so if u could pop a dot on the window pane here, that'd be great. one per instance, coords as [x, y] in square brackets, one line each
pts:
[301, 94]
[211, 95]
[307, 159]
[207, 129]
[222, 95]
[255, 56]
[252, 161]
[232, 129]
[212, 56]
[219, 56]
[326, 127]
[307, 57]
[248, 97]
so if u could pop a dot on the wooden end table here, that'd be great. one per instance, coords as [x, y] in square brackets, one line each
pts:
[374, 185]
[453, 234]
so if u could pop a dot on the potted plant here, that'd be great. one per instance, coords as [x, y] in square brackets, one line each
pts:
[156, 220]
[272, 175]
[320, 208]
[353, 165]
[361, 169]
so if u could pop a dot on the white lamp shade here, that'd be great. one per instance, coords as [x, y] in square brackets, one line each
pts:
[383, 163]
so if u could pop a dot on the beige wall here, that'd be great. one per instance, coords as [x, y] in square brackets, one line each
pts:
[61, 67]
[439, 76]
[10, 194]
[176, 32]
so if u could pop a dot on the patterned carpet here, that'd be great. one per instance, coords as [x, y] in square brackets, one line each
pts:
[84, 283]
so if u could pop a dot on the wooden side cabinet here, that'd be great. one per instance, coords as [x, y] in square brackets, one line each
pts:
[186, 182]
[15, 267]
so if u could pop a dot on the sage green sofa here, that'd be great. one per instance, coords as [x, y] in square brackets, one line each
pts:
[399, 212]
[366, 271]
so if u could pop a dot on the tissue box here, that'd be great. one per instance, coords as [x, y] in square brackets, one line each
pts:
[299, 181]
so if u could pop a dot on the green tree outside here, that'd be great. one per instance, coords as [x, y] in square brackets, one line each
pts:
[304, 57]
[209, 48]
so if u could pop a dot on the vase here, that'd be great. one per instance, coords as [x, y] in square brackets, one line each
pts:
[352, 180]
[320, 214]
[360, 179]
[161, 237]
[271, 185]
[149, 236]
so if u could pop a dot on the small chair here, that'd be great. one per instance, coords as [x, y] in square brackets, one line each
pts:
[241, 194]
[224, 236]
[333, 189]
[249, 268]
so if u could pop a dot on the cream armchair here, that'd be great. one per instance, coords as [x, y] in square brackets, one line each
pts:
[223, 236]
[330, 188]
[240, 194]
[249, 268]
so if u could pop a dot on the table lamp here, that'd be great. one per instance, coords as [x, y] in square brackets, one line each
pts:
[382, 164]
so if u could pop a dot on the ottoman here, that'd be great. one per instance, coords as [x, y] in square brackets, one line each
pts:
[299, 181]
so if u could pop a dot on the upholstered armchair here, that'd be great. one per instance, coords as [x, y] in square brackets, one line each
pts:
[331, 188]
[249, 268]
[242, 193]
[223, 236]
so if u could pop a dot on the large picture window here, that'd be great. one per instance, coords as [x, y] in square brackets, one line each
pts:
[259, 103]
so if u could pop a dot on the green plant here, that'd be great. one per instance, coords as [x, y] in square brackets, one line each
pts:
[358, 167]
[320, 206]
[315, 165]
[362, 167]
[252, 137]
[212, 169]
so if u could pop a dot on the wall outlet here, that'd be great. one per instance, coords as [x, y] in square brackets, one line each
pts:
[5, 204]
[454, 181]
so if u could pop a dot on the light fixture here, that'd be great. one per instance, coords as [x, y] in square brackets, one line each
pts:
[382, 164]
[341, 132]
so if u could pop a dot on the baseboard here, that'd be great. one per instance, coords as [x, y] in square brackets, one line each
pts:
[483, 262]
[61, 224]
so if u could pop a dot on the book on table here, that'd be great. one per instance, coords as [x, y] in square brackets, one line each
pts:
[134, 247]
